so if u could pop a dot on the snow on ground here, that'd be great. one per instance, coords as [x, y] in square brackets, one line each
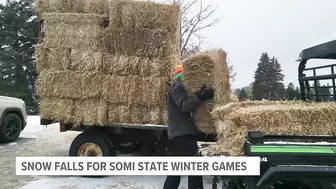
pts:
[37, 140]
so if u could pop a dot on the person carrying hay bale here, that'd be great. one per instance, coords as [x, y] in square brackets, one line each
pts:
[182, 129]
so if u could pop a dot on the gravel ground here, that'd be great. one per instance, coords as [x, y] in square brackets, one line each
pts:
[37, 140]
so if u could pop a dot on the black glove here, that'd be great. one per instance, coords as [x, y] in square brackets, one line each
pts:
[208, 94]
[199, 94]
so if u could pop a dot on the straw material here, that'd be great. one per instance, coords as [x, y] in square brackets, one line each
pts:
[151, 15]
[134, 114]
[72, 30]
[55, 59]
[152, 115]
[74, 6]
[90, 112]
[56, 108]
[152, 91]
[150, 43]
[86, 60]
[277, 118]
[234, 98]
[133, 65]
[134, 89]
[204, 68]
[120, 89]
[65, 84]
[111, 59]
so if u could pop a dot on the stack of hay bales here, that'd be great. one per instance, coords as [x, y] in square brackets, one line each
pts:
[209, 68]
[235, 120]
[106, 61]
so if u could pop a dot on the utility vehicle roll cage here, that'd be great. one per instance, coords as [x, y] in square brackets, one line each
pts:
[322, 51]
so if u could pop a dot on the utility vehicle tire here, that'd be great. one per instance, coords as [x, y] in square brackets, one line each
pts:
[128, 147]
[10, 128]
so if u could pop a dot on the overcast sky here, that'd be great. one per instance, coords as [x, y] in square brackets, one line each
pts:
[281, 28]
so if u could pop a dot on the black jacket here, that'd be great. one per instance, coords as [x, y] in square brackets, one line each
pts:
[180, 110]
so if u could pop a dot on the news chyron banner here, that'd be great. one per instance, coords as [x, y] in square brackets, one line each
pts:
[108, 166]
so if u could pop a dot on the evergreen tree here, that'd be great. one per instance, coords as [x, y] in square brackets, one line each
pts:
[268, 79]
[237, 92]
[292, 93]
[242, 95]
[18, 37]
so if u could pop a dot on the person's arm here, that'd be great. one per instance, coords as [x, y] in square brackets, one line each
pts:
[181, 98]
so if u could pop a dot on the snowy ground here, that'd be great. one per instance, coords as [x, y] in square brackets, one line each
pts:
[37, 140]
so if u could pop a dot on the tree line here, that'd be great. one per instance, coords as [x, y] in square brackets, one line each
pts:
[268, 83]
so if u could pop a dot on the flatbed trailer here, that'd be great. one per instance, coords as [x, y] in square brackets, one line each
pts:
[110, 139]
[307, 162]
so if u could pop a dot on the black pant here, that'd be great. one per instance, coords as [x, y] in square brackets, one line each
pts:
[184, 146]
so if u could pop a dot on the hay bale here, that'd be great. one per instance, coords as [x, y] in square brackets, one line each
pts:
[90, 112]
[124, 113]
[286, 118]
[120, 89]
[151, 90]
[71, 30]
[221, 76]
[152, 115]
[56, 108]
[67, 84]
[122, 65]
[56, 59]
[151, 15]
[86, 60]
[134, 114]
[74, 6]
[204, 68]
[234, 98]
[150, 43]
[134, 89]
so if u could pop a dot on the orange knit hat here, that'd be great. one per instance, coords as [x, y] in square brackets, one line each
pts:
[178, 71]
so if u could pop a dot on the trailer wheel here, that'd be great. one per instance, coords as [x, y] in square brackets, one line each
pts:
[128, 147]
[92, 144]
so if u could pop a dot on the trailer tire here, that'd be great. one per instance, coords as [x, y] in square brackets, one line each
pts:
[99, 140]
[92, 144]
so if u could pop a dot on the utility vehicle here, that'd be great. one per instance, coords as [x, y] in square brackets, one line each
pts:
[13, 118]
[293, 162]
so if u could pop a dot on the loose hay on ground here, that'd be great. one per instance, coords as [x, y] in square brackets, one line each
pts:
[66, 84]
[284, 118]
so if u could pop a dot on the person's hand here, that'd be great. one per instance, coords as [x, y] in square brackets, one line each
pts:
[199, 94]
[208, 94]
